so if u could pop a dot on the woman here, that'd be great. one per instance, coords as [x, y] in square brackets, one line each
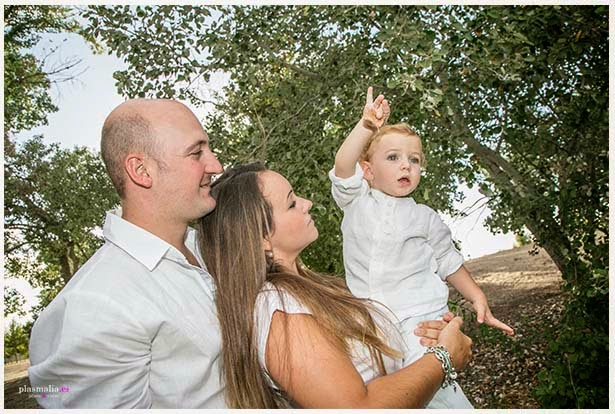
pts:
[293, 337]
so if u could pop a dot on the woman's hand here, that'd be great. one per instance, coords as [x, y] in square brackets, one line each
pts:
[458, 345]
[376, 112]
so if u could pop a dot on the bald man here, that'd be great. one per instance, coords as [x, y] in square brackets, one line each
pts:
[136, 326]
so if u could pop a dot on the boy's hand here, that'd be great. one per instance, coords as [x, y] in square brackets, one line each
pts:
[483, 314]
[376, 112]
[429, 331]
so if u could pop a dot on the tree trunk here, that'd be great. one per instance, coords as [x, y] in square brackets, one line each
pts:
[69, 263]
[507, 179]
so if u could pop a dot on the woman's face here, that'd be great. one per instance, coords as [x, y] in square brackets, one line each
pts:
[293, 225]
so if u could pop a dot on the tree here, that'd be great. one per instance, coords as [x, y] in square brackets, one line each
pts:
[55, 199]
[510, 99]
[47, 231]
[15, 341]
[27, 79]
[13, 302]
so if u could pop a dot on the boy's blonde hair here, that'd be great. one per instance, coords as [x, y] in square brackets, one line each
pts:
[401, 128]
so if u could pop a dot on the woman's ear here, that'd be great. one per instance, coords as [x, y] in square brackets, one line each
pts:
[267, 245]
[367, 170]
[137, 170]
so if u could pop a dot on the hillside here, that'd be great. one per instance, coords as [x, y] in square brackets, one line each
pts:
[524, 292]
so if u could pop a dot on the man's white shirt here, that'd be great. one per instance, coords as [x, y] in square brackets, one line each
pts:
[136, 326]
[396, 251]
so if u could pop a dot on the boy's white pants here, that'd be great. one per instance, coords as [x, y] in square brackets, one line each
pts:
[444, 397]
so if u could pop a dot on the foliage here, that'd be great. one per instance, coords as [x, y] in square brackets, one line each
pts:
[15, 341]
[47, 229]
[510, 99]
[54, 200]
[578, 373]
[523, 238]
[27, 81]
[13, 302]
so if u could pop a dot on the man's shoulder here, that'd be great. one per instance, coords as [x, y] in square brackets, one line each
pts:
[108, 266]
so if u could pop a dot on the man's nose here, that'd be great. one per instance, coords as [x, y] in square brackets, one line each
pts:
[212, 164]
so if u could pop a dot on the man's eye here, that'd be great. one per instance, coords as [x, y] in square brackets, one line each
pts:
[198, 153]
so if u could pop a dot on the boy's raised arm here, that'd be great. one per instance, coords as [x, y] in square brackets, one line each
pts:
[375, 114]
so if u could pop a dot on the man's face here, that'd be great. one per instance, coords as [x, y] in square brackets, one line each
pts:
[186, 167]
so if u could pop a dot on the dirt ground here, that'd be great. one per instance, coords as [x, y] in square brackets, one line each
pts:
[15, 377]
[523, 291]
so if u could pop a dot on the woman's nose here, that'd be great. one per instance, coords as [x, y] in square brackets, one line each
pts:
[307, 205]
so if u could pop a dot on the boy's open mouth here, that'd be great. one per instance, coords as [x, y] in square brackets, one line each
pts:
[404, 180]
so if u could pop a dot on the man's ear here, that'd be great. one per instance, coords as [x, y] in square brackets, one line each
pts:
[137, 171]
[367, 170]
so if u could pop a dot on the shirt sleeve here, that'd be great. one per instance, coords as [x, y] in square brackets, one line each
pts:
[269, 301]
[87, 347]
[439, 237]
[345, 190]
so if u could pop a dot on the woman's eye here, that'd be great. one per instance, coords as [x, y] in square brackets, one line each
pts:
[293, 204]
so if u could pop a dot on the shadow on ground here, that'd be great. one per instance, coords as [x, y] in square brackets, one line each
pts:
[14, 399]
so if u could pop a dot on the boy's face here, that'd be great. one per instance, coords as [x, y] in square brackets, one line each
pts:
[395, 164]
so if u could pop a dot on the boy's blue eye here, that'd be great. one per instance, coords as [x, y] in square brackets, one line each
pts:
[392, 157]
[414, 160]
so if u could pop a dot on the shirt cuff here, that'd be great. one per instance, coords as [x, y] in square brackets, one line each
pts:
[354, 181]
[449, 263]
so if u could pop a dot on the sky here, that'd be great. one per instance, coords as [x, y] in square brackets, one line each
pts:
[85, 103]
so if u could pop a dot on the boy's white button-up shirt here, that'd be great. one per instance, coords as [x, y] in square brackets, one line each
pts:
[396, 251]
[135, 327]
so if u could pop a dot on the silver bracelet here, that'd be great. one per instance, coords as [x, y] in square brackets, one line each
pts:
[450, 375]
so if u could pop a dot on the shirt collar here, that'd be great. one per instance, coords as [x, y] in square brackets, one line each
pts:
[381, 197]
[145, 247]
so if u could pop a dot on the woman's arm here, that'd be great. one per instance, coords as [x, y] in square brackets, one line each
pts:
[317, 374]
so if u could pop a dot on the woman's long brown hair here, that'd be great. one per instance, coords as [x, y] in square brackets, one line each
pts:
[231, 242]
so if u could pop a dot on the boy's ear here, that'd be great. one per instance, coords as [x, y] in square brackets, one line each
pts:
[136, 169]
[367, 170]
